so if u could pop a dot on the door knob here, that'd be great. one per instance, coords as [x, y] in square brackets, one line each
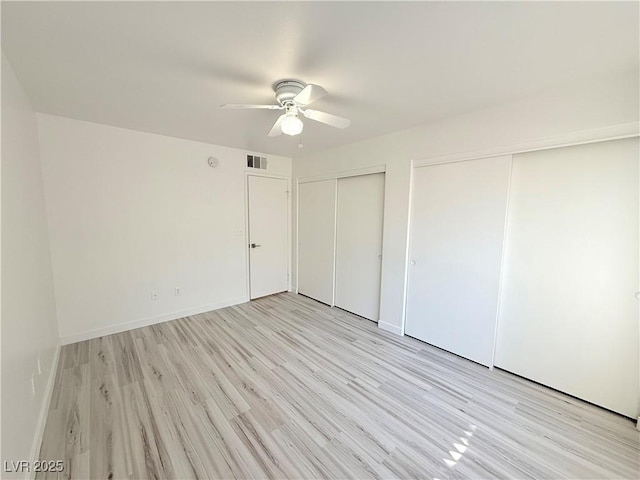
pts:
[413, 263]
[254, 245]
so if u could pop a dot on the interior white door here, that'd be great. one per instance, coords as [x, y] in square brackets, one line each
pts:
[568, 316]
[316, 239]
[359, 244]
[457, 231]
[268, 225]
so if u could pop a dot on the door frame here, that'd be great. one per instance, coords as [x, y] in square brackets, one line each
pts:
[335, 176]
[248, 174]
[605, 134]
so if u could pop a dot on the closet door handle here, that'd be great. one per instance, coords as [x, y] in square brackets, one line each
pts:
[254, 245]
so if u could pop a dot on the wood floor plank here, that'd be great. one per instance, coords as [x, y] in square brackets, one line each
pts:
[285, 387]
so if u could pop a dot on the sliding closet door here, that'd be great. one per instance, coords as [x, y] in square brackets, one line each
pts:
[316, 239]
[359, 244]
[457, 231]
[568, 316]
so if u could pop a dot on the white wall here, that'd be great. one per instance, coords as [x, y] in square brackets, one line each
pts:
[29, 328]
[595, 104]
[131, 213]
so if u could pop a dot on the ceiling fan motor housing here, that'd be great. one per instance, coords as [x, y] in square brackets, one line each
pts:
[286, 90]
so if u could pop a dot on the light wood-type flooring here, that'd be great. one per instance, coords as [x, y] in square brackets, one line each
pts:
[285, 387]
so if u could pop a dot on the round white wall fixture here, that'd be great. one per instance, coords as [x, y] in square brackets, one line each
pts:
[213, 162]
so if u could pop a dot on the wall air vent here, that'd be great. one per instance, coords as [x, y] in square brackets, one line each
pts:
[254, 161]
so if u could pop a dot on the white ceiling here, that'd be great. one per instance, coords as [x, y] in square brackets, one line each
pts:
[165, 67]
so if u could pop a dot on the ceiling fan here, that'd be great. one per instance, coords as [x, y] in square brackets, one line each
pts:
[293, 97]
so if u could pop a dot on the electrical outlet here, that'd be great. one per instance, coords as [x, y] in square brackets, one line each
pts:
[154, 295]
[39, 365]
[178, 291]
[33, 385]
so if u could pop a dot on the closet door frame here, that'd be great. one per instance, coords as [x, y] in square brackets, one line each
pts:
[330, 176]
[615, 132]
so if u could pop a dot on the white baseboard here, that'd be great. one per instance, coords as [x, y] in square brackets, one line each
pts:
[44, 410]
[390, 327]
[145, 322]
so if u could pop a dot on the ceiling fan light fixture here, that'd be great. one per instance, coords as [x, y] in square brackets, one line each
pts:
[292, 125]
[293, 96]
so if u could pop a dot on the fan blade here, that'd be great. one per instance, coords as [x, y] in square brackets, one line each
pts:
[276, 130]
[237, 105]
[310, 94]
[328, 118]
